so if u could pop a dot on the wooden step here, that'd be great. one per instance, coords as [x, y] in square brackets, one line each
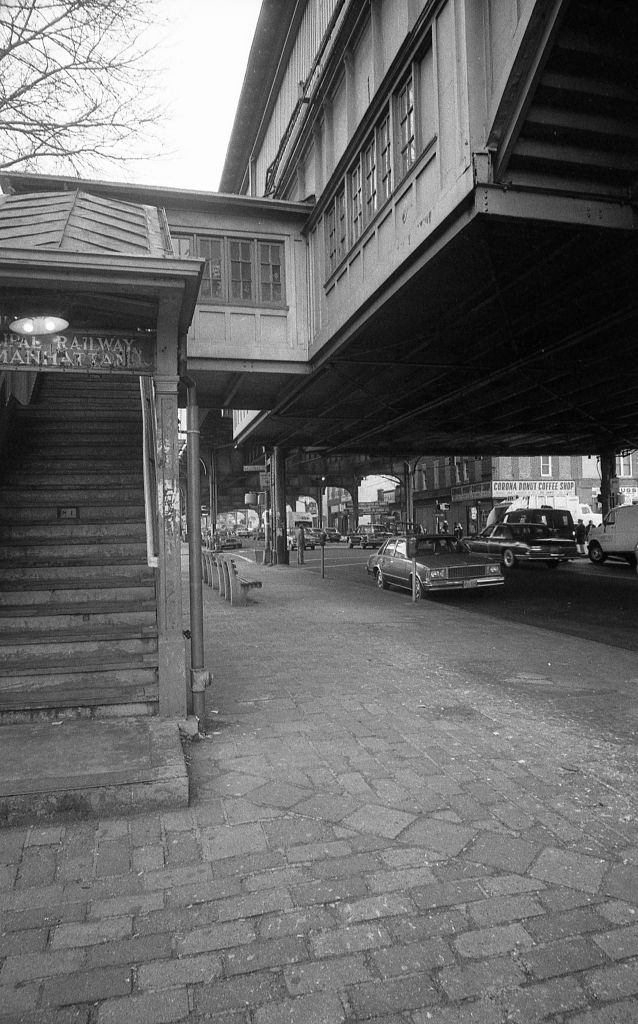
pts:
[88, 514]
[39, 648]
[70, 531]
[73, 461]
[94, 476]
[70, 556]
[56, 619]
[38, 414]
[95, 573]
[21, 496]
[72, 592]
[70, 683]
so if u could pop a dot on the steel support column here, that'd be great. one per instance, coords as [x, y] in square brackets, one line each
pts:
[607, 475]
[278, 470]
[200, 678]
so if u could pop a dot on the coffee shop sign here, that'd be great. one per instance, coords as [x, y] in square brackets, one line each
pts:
[105, 352]
[515, 488]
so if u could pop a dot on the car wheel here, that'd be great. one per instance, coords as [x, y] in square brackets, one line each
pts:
[509, 558]
[381, 581]
[596, 553]
[553, 565]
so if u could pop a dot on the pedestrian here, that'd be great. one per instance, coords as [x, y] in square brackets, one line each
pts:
[580, 534]
[458, 531]
[300, 537]
[590, 527]
[445, 526]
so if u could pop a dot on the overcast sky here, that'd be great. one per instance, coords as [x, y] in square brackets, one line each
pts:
[205, 53]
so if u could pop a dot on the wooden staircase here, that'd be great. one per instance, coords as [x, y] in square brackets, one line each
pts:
[78, 614]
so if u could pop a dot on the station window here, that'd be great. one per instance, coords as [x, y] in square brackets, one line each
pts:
[336, 230]
[385, 158]
[211, 249]
[546, 465]
[241, 271]
[231, 271]
[270, 276]
[405, 117]
[623, 465]
[370, 180]
[356, 204]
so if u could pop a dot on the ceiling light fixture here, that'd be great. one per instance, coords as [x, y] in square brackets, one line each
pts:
[34, 325]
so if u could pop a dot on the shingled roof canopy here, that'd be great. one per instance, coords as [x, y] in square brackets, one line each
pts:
[80, 222]
[101, 261]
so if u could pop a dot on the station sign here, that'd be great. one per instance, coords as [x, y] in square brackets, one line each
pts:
[108, 352]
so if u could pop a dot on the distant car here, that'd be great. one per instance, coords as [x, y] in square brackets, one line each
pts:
[442, 563]
[309, 543]
[225, 541]
[332, 534]
[367, 537]
[523, 542]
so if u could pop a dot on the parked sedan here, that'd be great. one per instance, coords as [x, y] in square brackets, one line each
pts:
[332, 534]
[442, 563]
[523, 542]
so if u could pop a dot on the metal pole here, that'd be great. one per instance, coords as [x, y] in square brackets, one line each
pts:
[323, 560]
[278, 462]
[200, 678]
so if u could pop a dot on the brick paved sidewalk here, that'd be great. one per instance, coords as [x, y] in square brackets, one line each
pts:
[375, 834]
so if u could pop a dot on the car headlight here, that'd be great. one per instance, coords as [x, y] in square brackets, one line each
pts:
[437, 574]
[494, 570]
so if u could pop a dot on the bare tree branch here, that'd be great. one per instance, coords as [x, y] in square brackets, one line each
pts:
[75, 83]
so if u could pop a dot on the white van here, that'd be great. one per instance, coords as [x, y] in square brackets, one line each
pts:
[617, 537]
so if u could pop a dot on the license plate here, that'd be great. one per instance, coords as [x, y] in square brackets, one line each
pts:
[470, 583]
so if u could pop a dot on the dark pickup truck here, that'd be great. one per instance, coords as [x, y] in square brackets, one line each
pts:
[367, 537]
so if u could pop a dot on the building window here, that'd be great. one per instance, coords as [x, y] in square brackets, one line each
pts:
[270, 272]
[370, 180]
[211, 249]
[623, 465]
[336, 229]
[229, 273]
[385, 158]
[356, 202]
[241, 271]
[407, 138]
[342, 224]
[546, 465]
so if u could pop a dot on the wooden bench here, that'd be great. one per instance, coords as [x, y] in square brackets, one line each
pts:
[208, 566]
[239, 585]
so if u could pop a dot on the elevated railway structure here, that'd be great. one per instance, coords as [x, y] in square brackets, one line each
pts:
[425, 235]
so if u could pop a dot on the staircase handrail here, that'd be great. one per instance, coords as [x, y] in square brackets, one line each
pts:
[149, 448]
